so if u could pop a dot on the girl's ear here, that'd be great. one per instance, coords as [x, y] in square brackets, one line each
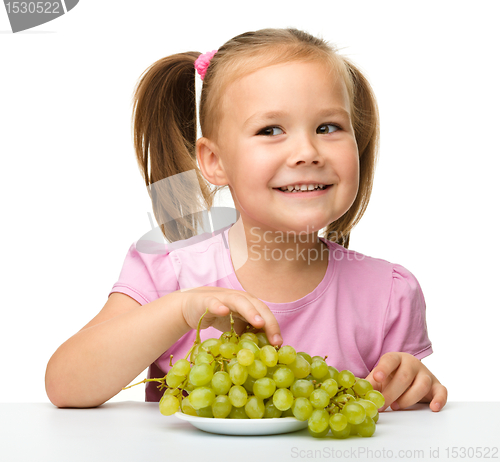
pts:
[210, 162]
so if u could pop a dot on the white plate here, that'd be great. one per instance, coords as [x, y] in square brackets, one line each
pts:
[244, 426]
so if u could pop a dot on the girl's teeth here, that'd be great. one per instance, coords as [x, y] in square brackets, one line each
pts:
[303, 187]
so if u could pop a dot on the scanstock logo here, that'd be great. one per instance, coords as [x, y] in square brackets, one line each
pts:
[28, 14]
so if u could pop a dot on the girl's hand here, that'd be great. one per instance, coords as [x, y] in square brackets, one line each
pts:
[245, 308]
[404, 381]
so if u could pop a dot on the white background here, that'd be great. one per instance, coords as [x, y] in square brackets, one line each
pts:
[73, 199]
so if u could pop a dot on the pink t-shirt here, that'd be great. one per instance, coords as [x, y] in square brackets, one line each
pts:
[364, 307]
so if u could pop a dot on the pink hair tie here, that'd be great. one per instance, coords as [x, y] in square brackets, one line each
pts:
[203, 61]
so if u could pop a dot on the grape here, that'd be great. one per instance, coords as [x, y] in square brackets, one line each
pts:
[229, 337]
[283, 377]
[255, 408]
[302, 388]
[245, 377]
[370, 408]
[342, 433]
[320, 434]
[271, 371]
[330, 386]
[349, 391]
[245, 357]
[302, 408]
[366, 428]
[318, 421]
[257, 369]
[251, 346]
[238, 413]
[228, 350]
[248, 385]
[181, 368]
[271, 411]
[283, 399]
[212, 346]
[376, 398]
[269, 356]
[187, 408]
[201, 374]
[169, 404]
[237, 396]
[264, 387]
[319, 368]
[204, 357]
[305, 356]
[319, 398]
[346, 379]
[333, 373]
[286, 355]
[354, 412]
[173, 380]
[231, 363]
[300, 367]
[221, 383]
[201, 397]
[362, 386]
[250, 336]
[238, 374]
[338, 422]
[221, 407]
[262, 339]
[205, 412]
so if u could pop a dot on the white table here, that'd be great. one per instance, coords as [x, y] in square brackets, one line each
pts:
[134, 431]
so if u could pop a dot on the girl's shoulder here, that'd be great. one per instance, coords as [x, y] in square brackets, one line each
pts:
[369, 269]
[153, 268]
[153, 248]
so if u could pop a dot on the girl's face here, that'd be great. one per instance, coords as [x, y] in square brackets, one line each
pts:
[288, 125]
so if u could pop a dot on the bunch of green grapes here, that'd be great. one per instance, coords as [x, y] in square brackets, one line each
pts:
[241, 377]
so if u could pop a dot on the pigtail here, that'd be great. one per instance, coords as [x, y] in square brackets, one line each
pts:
[164, 127]
[366, 128]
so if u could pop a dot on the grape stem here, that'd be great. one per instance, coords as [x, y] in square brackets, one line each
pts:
[162, 380]
[197, 340]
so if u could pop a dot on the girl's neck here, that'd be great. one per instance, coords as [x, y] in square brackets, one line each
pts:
[272, 251]
[277, 270]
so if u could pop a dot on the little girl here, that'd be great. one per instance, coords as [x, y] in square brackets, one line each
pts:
[291, 127]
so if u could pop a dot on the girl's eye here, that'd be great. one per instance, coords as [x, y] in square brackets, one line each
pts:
[331, 130]
[269, 131]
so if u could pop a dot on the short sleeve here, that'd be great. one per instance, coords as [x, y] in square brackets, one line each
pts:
[405, 327]
[146, 276]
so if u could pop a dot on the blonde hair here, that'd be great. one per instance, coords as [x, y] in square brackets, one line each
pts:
[165, 120]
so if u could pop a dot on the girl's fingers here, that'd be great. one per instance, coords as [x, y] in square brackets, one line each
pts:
[245, 309]
[271, 326]
[439, 395]
[388, 363]
[401, 381]
[255, 312]
[417, 391]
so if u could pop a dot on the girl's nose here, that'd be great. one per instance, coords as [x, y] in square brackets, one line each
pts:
[304, 152]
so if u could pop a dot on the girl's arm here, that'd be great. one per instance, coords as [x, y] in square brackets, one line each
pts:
[112, 349]
[125, 338]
